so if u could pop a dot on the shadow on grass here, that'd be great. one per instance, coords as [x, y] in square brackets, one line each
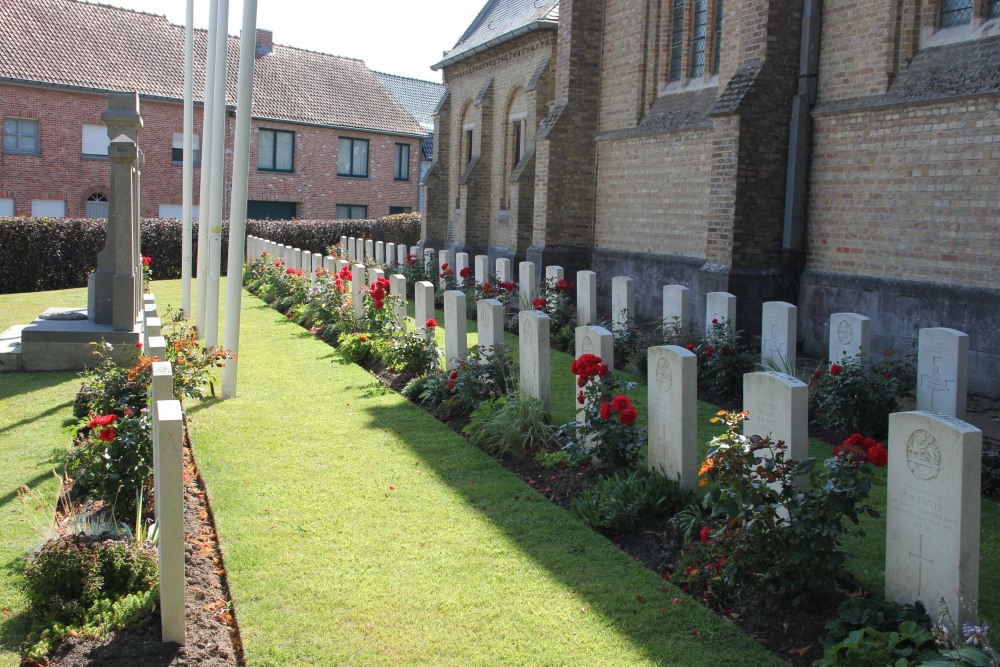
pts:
[44, 413]
[570, 552]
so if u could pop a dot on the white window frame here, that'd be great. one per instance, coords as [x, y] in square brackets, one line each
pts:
[48, 208]
[95, 141]
[177, 143]
[6, 208]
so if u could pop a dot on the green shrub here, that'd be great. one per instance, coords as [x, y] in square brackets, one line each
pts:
[724, 357]
[514, 422]
[621, 502]
[856, 613]
[909, 644]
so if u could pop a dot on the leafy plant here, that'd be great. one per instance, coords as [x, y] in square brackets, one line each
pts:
[621, 502]
[110, 386]
[869, 647]
[968, 645]
[779, 536]
[427, 390]
[855, 396]
[556, 299]
[856, 613]
[724, 357]
[514, 422]
[191, 363]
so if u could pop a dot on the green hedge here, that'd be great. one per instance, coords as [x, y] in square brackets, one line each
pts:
[58, 253]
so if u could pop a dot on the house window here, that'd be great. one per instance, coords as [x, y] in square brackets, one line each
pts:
[276, 150]
[97, 206]
[20, 135]
[954, 13]
[177, 149]
[994, 9]
[394, 210]
[6, 208]
[402, 162]
[48, 208]
[352, 157]
[95, 141]
[351, 212]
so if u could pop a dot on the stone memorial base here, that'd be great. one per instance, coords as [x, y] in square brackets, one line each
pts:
[54, 343]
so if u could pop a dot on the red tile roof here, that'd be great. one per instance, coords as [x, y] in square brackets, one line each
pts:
[91, 46]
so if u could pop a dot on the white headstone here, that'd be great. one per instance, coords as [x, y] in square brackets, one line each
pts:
[157, 348]
[374, 275]
[428, 259]
[423, 306]
[533, 327]
[461, 262]
[489, 323]
[357, 293]
[161, 388]
[397, 287]
[720, 307]
[677, 305]
[351, 249]
[340, 264]
[444, 262]
[153, 328]
[779, 330]
[554, 273]
[482, 269]
[380, 252]
[526, 282]
[673, 414]
[369, 249]
[622, 301]
[586, 298]
[455, 328]
[328, 263]
[317, 264]
[343, 247]
[850, 336]
[401, 254]
[505, 271]
[599, 342]
[390, 254]
[942, 371]
[933, 507]
[305, 263]
[779, 408]
[168, 440]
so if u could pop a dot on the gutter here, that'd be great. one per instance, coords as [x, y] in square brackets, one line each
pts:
[800, 128]
[497, 41]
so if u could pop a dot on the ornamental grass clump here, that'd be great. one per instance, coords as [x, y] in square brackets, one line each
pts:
[784, 519]
[608, 432]
[623, 501]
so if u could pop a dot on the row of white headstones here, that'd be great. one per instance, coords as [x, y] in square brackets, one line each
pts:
[933, 499]
[168, 475]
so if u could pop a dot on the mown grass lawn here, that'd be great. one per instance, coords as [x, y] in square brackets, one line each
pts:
[357, 529]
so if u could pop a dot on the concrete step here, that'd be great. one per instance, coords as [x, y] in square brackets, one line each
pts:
[10, 349]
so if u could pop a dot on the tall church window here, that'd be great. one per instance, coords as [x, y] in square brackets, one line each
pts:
[698, 34]
[677, 40]
[717, 51]
[955, 13]
[994, 9]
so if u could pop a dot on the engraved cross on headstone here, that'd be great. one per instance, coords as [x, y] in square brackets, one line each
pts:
[920, 564]
[935, 381]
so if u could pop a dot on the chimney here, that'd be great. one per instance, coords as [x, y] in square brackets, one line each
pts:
[265, 43]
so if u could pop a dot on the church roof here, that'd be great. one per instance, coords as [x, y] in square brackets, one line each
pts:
[501, 21]
[417, 96]
[97, 47]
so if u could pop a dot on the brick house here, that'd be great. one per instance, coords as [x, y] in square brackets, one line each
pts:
[328, 140]
[690, 141]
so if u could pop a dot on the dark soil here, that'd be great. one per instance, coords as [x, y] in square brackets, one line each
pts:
[212, 634]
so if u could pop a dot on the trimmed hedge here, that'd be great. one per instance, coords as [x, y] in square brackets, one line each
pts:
[58, 253]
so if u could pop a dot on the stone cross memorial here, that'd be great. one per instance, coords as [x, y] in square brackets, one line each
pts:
[850, 336]
[933, 512]
[455, 328]
[942, 371]
[677, 305]
[586, 298]
[779, 327]
[673, 414]
[533, 328]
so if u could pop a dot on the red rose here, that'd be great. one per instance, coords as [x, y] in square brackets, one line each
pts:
[146, 261]
[888, 375]
[836, 370]
[620, 403]
[363, 338]
[689, 347]
[562, 285]
[138, 345]
[103, 420]
[813, 383]
[705, 534]
[379, 303]
[715, 321]
[430, 323]
[629, 415]
[878, 455]
[605, 410]
[453, 374]
[290, 271]
[107, 434]
[579, 398]
[465, 272]
[538, 303]
[451, 385]
[817, 373]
